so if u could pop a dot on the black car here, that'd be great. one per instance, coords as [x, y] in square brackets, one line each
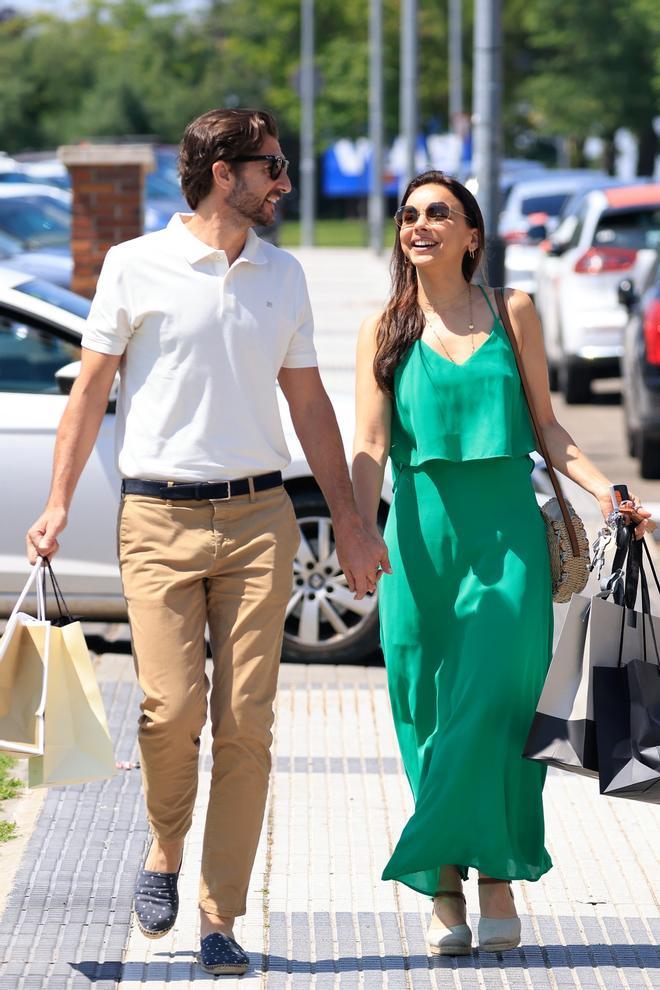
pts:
[641, 369]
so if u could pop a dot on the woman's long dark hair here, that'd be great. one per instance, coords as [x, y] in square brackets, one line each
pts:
[403, 321]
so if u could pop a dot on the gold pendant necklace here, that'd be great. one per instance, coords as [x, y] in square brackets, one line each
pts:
[470, 329]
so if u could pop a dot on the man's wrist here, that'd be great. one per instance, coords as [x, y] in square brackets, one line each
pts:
[57, 506]
[347, 518]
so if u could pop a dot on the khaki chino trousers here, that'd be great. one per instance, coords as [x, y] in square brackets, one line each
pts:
[227, 563]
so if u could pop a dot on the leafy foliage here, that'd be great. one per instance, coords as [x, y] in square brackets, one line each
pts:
[146, 67]
[9, 787]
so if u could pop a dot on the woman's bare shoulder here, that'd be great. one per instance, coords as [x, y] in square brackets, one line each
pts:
[519, 302]
[369, 326]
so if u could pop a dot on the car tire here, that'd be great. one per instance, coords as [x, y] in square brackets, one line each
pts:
[324, 623]
[553, 377]
[648, 449]
[574, 384]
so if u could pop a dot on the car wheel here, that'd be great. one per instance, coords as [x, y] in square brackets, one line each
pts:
[553, 377]
[574, 383]
[324, 623]
[649, 456]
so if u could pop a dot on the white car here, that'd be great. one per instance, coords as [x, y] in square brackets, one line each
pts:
[40, 329]
[613, 234]
[530, 214]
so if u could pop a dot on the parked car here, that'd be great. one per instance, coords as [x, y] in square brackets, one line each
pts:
[35, 231]
[614, 232]
[162, 193]
[531, 213]
[512, 170]
[641, 369]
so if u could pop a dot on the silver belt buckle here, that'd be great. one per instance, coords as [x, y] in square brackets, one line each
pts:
[228, 495]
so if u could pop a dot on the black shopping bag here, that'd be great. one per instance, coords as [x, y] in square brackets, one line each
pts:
[627, 702]
[627, 711]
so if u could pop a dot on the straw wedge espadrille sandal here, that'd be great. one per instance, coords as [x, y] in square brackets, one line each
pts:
[498, 934]
[449, 940]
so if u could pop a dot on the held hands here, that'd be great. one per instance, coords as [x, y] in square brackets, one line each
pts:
[362, 555]
[41, 538]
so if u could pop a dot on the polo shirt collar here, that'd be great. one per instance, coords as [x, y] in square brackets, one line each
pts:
[195, 250]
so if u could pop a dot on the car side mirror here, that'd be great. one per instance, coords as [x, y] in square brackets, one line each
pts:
[626, 293]
[66, 376]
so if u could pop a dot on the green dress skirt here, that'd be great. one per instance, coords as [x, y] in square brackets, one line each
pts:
[466, 616]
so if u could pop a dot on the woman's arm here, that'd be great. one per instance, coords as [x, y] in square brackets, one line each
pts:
[565, 454]
[372, 429]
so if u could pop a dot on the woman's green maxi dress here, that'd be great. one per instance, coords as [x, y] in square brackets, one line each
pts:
[466, 616]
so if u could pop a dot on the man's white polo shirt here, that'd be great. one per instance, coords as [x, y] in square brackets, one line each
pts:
[202, 345]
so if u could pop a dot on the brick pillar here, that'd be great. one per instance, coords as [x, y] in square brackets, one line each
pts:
[108, 203]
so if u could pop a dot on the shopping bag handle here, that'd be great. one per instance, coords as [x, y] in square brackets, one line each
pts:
[650, 560]
[615, 583]
[37, 573]
[62, 607]
[635, 574]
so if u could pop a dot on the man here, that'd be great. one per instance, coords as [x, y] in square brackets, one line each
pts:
[200, 319]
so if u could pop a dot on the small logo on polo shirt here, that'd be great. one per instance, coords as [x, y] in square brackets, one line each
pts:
[269, 304]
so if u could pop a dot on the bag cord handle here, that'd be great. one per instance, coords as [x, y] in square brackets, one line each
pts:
[62, 607]
[636, 577]
[541, 444]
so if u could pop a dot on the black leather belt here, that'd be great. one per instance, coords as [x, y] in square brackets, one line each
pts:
[200, 490]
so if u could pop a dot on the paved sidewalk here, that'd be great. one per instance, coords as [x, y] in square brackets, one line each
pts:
[319, 915]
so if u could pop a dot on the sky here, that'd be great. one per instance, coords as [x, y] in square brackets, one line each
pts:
[67, 6]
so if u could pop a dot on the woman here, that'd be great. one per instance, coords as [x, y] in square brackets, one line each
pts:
[466, 612]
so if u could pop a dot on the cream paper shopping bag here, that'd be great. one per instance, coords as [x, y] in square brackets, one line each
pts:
[77, 746]
[24, 651]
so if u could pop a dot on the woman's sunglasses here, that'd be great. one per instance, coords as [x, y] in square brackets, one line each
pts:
[406, 216]
[277, 164]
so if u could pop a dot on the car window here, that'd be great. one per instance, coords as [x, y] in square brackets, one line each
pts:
[629, 229]
[30, 355]
[37, 221]
[550, 204]
[56, 296]
[580, 218]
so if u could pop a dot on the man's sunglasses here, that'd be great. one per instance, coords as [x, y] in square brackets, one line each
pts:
[406, 216]
[277, 164]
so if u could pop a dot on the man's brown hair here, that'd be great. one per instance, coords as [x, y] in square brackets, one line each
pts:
[218, 135]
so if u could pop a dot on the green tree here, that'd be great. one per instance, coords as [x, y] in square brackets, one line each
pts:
[594, 68]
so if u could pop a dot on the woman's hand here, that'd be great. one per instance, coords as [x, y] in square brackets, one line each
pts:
[631, 510]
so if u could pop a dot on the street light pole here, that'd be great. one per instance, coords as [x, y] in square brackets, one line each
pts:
[307, 95]
[408, 89]
[376, 203]
[487, 126]
[455, 63]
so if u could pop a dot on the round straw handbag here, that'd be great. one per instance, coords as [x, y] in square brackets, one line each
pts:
[568, 545]
[569, 572]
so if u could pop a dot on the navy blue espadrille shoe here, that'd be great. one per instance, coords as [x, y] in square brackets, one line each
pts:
[222, 955]
[156, 902]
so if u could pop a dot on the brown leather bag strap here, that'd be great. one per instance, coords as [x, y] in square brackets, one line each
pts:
[541, 444]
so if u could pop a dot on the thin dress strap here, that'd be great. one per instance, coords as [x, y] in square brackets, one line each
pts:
[490, 305]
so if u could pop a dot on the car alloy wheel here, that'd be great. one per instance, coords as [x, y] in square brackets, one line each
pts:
[324, 622]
